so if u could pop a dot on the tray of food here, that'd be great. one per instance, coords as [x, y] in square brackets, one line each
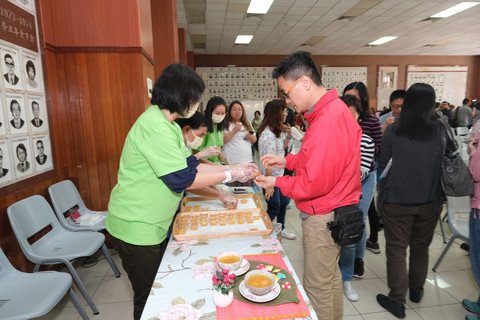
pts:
[196, 204]
[204, 225]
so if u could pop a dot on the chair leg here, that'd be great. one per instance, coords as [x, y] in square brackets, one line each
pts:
[77, 304]
[441, 229]
[444, 252]
[81, 287]
[110, 261]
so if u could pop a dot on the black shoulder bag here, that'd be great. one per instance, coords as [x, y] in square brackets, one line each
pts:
[347, 226]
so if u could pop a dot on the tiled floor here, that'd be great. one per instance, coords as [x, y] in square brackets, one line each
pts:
[444, 290]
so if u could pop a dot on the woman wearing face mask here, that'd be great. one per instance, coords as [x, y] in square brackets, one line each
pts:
[194, 131]
[216, 124]
[155, 169]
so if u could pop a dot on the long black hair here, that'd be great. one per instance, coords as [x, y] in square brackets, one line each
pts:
[212, 104]
[364, 99]
[272, 117]
[417, 120]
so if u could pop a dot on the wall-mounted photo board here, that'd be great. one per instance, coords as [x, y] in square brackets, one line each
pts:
[340, 77]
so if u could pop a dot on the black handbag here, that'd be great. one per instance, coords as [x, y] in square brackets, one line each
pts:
[456, 179]
[347, 226]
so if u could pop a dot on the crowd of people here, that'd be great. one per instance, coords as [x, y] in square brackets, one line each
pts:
[323, 151]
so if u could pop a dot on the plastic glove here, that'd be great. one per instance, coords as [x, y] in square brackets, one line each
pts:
[246, 171]
[228, 199]
[208, 152]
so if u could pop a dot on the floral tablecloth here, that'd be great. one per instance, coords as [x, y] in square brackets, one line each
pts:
[183, 286]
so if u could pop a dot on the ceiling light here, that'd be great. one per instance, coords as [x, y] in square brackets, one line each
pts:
[243, 39]
[382, 40]
[455, 9]
[259, 6]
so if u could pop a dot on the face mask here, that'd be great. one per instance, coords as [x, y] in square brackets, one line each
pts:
[197, 142]
[217, 118]
[191, 111]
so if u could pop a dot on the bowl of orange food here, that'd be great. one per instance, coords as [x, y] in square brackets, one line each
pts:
[229, 260]
[259, 282]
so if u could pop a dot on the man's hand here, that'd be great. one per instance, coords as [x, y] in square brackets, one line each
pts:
[265, 181]
[273, 161]
[208, 152]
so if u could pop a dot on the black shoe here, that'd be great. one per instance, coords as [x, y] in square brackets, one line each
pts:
[397, 309]
[465, 247]
[416, 295]
[358, 269]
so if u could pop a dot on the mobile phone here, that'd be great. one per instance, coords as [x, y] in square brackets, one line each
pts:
[239, 190]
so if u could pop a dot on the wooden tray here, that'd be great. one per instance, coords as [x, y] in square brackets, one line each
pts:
[198, 204]
[220, 224]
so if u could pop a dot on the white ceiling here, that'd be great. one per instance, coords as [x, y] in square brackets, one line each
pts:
[289, 23]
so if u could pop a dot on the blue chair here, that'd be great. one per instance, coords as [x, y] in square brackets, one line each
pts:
[58, 246]
[30, 295]
[65, 196]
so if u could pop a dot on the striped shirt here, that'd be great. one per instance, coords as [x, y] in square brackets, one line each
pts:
[371, 127]
[367, 151]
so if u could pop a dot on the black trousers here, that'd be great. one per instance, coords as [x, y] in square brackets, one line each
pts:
[141, 265]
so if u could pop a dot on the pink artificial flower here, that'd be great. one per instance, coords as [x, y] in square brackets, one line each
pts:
[286, 285]
[261, 266]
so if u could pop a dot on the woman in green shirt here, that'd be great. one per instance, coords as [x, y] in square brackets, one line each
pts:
[216, 124]
[155, 169]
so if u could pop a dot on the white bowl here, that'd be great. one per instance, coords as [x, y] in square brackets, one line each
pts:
[229, 265]
[261, 289]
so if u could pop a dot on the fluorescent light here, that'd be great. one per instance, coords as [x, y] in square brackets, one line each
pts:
[382, 40]
[259, 6]
[243, 39]
[455, 9]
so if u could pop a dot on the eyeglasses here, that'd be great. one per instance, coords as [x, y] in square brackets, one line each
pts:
[286, 93]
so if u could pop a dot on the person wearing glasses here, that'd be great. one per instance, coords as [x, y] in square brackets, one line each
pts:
[3, 171]
[10, 76]
[327, 175]
[42, 157]
[23, 164]
[396, 103]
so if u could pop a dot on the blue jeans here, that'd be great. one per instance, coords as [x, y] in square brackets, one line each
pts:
[475, 243]
[277, 206]
[349, 253]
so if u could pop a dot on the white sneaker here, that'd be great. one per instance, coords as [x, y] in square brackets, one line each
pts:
[288, 235]
[349, 292]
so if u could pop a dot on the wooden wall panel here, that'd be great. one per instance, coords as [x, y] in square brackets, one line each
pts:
[146, 33]
[93, 100]
[372, 62]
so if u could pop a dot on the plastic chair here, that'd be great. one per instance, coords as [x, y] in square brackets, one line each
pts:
[64, 196]
[32, 215]
[22, 295]
[458, 211]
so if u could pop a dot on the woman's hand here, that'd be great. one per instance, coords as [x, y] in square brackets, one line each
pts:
[273, 161]
[269, 193]
[238, 127]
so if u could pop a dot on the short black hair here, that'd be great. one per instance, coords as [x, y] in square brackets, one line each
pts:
[212, 104]
[12, 103]
[397, 94]
[352, 101]
[35, 102]
[30, 65]
[195, 122]
[177, 88]
[7, 56]
[21, 146]
[296, 65]
[465, 101]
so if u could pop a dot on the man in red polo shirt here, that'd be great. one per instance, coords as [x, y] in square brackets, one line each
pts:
[327, 175]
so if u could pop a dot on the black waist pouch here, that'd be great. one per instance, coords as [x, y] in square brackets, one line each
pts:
[347, 226]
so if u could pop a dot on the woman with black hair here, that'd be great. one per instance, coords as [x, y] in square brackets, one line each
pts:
[216, 124]
[274, 140]
[371, 126]
[155, 169]
[412, 196]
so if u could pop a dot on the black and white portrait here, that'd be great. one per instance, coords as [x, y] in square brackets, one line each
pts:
[11, 71]
[17, 113]
[32, 71]
[22, 156]
[42, 152]
[37, 113]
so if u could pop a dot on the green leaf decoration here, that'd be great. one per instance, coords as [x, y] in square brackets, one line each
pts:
[157, 285]
[178, 300]
[202, 243]
[269, 251]
[198, 304]
[176, 252]
[202, 261]
[255, 245]
[209, 316]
